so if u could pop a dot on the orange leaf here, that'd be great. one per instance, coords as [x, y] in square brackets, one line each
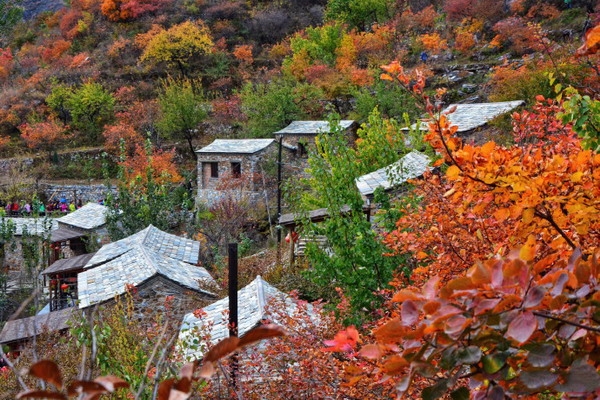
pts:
[48, 371]
[222, 349]
[453, 172]
[527, 252]
[592, 42]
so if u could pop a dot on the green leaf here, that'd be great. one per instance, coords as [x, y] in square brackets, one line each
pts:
[469, 355]
[460, 394]
[436, 391]
[494, 362]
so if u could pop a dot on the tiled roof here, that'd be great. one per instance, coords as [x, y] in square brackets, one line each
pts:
[63, 234]
[33, 226]
[236, 146]
[310, 127]
[411, 166]
[135, 266]
[68, 264]
[153, 239]
[21, 329]
[471, 116]
[90, 216]
[251, 299]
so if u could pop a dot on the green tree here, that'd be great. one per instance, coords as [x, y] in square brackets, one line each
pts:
[354, 259]
[91, 107]
[11, 12]
[360, 14]
[183, 108]
[178, 45]
[271, 106]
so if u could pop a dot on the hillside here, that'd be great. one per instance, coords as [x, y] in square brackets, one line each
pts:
[98, 72]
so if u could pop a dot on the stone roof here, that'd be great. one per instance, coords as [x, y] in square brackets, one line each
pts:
[153, 239]
[64, 234]
[251, 299]
[236, 146]
[411, 166]
[470, 116]
[68, 264]
[33, 226]
[135, 266]
[90, 216]
[21, 329]
[310, 127]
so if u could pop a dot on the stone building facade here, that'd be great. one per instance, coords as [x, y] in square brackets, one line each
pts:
[233, 166]
[299, 135]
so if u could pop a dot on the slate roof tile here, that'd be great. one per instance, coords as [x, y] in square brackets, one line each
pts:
[90, 216]
[411, 166]
[236, 146]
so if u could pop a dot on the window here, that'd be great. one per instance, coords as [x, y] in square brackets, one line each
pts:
[236, 169]
[214, 169]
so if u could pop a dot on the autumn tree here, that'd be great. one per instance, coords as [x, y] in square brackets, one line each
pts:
[178, 45]
[45, 136]
[148, 192]
[183, 107]
[119, 10]
[506, 322]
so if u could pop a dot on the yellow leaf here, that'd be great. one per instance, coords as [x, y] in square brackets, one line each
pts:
[527, 252]
[453, 172]
[528, 215]
[576, 177]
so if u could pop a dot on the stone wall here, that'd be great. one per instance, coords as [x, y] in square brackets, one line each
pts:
[86, 193]
[249, 184]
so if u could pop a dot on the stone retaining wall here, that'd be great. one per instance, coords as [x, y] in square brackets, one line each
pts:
[71, 192]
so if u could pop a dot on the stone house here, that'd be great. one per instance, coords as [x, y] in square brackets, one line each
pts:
[159, 268]
[471, 119]
[253, 301]
[90, 219]
[300, 134]
[233, 165]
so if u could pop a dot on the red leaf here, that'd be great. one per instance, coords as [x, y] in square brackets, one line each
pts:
[78, 387]
[48, 371]
[164, 389]
[371, 351]
[534, 297]
[260, 333]
[41, 394]
[522, 327]
[409, 313]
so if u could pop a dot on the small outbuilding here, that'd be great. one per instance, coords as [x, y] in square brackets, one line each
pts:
[300, 134]
[17, 332]
[227, 164]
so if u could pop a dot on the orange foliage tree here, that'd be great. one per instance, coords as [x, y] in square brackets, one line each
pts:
[525, 321]
[45, 135]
